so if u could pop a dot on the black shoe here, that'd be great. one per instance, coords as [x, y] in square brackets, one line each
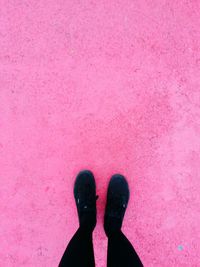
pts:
[85, 197]
[117, 200]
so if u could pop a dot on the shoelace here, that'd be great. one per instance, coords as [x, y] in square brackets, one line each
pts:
[116, 207]
[89, 202]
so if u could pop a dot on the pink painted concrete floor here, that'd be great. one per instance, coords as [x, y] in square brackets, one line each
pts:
[113, 86]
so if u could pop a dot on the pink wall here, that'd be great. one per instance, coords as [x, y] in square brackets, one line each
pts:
[110, 85]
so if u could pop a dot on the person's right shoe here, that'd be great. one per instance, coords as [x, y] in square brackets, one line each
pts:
[117, 201]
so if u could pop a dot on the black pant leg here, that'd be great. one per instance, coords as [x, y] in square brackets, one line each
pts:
[79, 252]
[121, 253]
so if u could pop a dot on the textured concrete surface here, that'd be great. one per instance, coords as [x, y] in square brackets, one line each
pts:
[113, 86]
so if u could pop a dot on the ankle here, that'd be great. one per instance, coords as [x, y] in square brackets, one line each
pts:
[87, 222]
[112, 225]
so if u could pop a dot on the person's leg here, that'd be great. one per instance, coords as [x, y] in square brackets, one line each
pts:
[120, 251]
[79, 252]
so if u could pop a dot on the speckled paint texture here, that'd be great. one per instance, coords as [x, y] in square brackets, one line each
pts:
[113, 86]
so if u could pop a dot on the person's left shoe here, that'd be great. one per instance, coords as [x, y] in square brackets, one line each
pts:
[85, 197]
[116, 204]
